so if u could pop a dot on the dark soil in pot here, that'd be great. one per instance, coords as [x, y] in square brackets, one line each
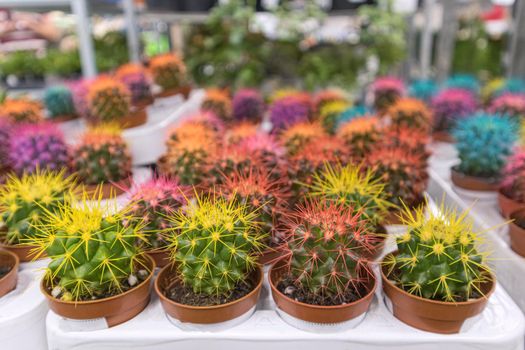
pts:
[4, 270]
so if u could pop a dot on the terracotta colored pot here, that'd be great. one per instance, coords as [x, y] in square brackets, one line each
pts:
[443, 136]
[64, 118]
[163, 167]
[472, 183]
[271, 255]
[25, 253]
[136, 117]
[317, 313]
[116, 309]
[432, 315]
[144, 103]
[508, 205]
[8, 282]
[160, 256]
[183, 90]
[109, 189]
[205, 314]
[517, 233]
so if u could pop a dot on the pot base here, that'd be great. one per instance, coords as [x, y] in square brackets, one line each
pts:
[212, 327]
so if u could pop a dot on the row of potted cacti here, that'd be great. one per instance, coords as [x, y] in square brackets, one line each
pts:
[120, 98]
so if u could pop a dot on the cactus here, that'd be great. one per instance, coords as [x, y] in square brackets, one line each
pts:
[328, 248]
[134, 77]
[410, 113]
[24, 200]
[38, 146]
[59, 102]
[361, 135]
[255, 189]
[108, 100]
[296, 137]
[5, 139]
[513, 185]
[403, 172]
[93, 254]
[240, 132]
[451, 106]
[423, 89]
[354, 186]
[437, 256]
[484, 142]
[219, 103]
[80, 90]
[324, 97]
[168, 71]
[385, 91]
[330, 113]
[413, 141]
[102, 156]
[214, 244]
[352, 113]
[464, 82]
[248, 105]
[512, 105]
[21, 110]
[152, 202]
[204, 125]
[289, 110]
[514, 166]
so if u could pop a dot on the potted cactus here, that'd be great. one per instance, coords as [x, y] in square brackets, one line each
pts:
[97, 270]
[38, 146]
[512, 105]
[413, 140]
[152, 202]
[297, 136]
[79, 90]
[248, 106]
[169, 72]
[517, 230]
[326, 277]
[289, 110]
[510, 197]
[268, 198]
[409, 113]
[5, 139]
[101, 160]
[59, 103]
[135, 78]
[23, 203]
[361, 135]
[449, 107]
[109, 101]
[240, 132]
[437, 278]
[329, 114]
[214, 276]
[466, 82]
[324, 97]
[423, 89]
[21, 110]
[483, 142]
[385, 91]
[9, 263]
[218, 103]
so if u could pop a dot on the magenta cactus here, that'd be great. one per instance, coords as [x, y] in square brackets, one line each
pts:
[514, 166]
[288, 111]
[248, 105]
[512, 105]
[79, 90]
[38, 146]
[153, 202]
[450, 105]
[5, 132]
[386, 90]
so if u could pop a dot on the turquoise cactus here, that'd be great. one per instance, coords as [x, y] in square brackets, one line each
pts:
[59, 101]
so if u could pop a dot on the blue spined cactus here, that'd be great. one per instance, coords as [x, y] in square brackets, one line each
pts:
[423, 89]
[59, 101]
[353, 112]
[513, 86]
[484, 141]
[463, 81]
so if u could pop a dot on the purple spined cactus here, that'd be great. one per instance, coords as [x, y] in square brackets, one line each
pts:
[248, 105]
[38, 146]
[451, 105]
[288, 111]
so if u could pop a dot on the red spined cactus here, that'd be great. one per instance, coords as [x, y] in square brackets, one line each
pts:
[413, 141]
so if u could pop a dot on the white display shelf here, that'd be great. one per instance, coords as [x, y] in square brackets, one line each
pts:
[501, 325]
[147, 142]
[484, 210]
[23, 311]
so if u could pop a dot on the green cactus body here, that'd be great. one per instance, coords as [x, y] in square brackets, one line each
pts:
[438, 258]
[59, 101]
[215, 244]
[109, 100]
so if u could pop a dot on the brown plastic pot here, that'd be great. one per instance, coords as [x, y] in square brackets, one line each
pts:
[136, 117]
[8, 282]
[443, 136]
[167, 278]
[433, 315]
[64, 118]
[116, 309]
[109, 189]
[317, 313]
[144, 103]
[183, 90]
[472, 183]
[508, 205]
[160, 256]
[25, 253]
[517, 233]
[163, 167]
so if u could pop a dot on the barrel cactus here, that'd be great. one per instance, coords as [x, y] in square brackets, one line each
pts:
[59, 102]
[512, 105]
[135, 78]
[438, 257]
[38, 146]
[324, 97]
[410, 113]
[423, 89]
[354, 112]
[79, 90]
[248, 105]
[240, 132]
[385, 91]
[361, 134]
[21, 110]
[296, 137]
[330, 114]
[463, 81]
[108, 100]
[168, 71]
[219, 103]
[450, 106]
[289, 110]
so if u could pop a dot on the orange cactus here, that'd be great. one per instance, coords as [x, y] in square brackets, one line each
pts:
[240, 132]
[190, 129]
[219, 103]
[411, 113]
[361, 134]
[108, 100]
[299, 135]
[168, 71]
[22, 110]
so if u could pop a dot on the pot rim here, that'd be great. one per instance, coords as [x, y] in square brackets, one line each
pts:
[384, 278]
[97, 301]
[320, 307]
[14, 269]
[515, 215]
[15, 246]
[490, 181]
[501, 193]
[212, 307]
[126, 180]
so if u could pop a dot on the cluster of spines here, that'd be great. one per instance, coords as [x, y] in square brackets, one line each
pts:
[136, 80]
[410, 113]
[168, 71]
[289, 110]
[330, 113]
[109, 100]
[296, 137]
[450, 106]
[386, 90]
[248, 105]
[219, 103]
[511, 105]
[21, 110]
[361, 135]
[59, 101]
[324, 97]
[423, 89]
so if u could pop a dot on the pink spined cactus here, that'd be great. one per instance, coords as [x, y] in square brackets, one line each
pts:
[288, 111]
[248, 105]
[386, 90]
[5, 136]
[512, 105]
[79, 91]
[451, 105]
[208, 119]
[38, 146]
[514, 166]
